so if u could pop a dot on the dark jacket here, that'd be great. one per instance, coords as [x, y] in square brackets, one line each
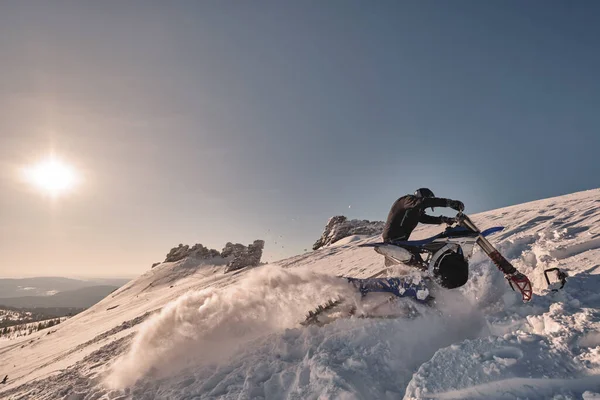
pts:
[407, 212]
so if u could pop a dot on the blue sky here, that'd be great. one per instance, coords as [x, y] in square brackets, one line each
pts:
[230, 121]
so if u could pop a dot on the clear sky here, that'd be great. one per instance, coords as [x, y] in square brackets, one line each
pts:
[215, 121]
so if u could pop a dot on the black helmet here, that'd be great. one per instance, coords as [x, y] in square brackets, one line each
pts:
[424, 192]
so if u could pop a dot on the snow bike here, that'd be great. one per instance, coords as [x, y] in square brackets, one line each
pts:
[449, 250]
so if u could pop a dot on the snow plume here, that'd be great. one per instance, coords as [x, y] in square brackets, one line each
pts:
[349, 358]
[208, 326]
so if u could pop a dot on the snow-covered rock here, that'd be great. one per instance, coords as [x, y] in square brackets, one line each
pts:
[339, 227]
[237, 256]
[243, 256]
[197, 251]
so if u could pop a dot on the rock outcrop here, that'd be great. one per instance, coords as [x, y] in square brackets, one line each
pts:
[197, 251]
[339, 227]
[243, 256]
[237, 255]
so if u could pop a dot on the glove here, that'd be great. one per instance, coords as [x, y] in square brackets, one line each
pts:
[448, 220]
[457, 205]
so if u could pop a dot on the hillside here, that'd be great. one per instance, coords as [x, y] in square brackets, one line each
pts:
[188, 330]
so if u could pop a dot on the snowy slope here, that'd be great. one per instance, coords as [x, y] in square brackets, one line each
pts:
[185, 330]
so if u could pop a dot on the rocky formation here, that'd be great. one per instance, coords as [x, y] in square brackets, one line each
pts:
[243, 256]
[237, 255]
[197, 251]
[339, 227]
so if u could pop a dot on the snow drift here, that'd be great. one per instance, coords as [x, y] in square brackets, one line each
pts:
[206, 326]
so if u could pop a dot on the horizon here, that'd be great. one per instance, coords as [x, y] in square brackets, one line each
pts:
[128, 128]
[74, 277]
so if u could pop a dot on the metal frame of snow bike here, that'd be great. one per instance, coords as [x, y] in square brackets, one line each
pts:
[514, 277]
[423, 251]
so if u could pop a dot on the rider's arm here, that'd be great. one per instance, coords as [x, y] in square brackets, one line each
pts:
[428, 219]
[435, 202]
[440, 202]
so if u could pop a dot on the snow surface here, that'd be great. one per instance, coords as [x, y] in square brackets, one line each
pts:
[187, 330]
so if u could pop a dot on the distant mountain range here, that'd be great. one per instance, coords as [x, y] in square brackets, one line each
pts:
[47, 286]
[80, 298]
[55, 292]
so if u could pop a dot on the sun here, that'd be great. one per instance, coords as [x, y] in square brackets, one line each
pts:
[52, 176]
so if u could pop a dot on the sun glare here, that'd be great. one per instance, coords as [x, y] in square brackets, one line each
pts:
[52, 176]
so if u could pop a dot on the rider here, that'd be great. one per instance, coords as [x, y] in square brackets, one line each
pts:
[449, 267]
[409, 210]
[446, 264]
